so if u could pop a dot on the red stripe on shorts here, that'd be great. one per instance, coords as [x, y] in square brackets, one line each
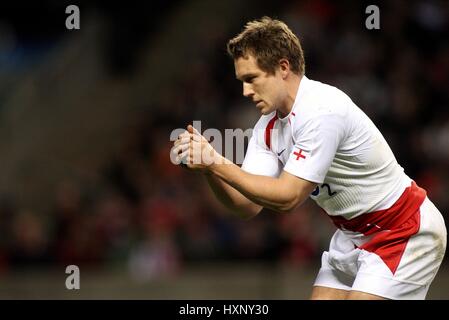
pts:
[268, 129]
[390, 228]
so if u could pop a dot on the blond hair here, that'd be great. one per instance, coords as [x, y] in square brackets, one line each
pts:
[269, 41]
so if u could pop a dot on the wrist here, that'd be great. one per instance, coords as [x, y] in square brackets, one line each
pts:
[212, 166]
[218, 159]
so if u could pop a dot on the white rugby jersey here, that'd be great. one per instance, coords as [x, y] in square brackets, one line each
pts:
[328, 140]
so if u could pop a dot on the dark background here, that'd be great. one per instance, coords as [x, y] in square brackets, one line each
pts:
[85, 121]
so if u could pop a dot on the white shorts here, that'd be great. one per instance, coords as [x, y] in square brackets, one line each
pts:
[348, 267]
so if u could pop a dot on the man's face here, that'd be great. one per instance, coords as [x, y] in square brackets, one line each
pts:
[265, 90]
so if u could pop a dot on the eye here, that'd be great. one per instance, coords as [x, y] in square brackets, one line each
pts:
[250, 79]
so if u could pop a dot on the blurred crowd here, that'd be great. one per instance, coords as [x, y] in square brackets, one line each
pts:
[155, 217]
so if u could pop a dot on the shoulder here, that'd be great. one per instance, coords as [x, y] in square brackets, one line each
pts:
[322, 105]
[322, 99]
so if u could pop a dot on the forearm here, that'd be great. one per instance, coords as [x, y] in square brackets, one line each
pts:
[280, 194]
[232, 199]
[265, 191]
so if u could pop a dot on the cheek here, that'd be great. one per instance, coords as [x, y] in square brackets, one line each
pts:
[263, 90]
[269, 93]
[275, 92]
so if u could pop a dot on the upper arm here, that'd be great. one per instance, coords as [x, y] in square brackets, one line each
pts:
[259, 160]
[296, 189]
[316, 143]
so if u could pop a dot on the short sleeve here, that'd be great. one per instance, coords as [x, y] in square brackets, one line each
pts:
[259, 160]
[315, 144]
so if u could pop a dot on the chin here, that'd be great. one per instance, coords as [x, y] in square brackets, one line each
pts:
[265, 111]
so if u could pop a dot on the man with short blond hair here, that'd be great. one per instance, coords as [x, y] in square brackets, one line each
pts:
[312, 140]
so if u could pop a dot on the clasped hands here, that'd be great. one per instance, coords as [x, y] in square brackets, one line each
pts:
[193, 151]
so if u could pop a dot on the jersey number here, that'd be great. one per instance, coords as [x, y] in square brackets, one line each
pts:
[324, 185]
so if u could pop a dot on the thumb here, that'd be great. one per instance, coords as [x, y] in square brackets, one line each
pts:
[192, 130]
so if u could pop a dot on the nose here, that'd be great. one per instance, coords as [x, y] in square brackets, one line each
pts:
[247, 90]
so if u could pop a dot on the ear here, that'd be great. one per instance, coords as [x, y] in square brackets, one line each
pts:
[284, 68]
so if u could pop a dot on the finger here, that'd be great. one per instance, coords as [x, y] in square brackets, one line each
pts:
[196, 138]
[183, 140]
[181, 148]
[195, 132]
[183, 157]
[192, 130]
[185, 137]
[184, 134]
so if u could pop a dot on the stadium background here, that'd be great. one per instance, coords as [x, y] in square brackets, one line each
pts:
[85, 119]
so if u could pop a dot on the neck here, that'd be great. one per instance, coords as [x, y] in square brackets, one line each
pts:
[292, 89]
